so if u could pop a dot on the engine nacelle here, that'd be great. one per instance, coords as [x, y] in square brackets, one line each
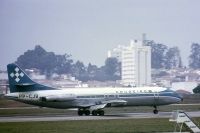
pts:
[58, 98]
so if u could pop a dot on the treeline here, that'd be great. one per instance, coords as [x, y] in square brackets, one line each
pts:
[163, 56]
[49, 63]
[194, 58]
[168, 58]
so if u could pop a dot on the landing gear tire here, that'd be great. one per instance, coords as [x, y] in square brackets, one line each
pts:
[97, 112]
[83, 111]
[87, 112]
[155, 111]
[94, 113]
[101, 112]
[80, 112]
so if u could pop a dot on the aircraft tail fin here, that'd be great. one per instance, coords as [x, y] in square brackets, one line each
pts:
[19, 81]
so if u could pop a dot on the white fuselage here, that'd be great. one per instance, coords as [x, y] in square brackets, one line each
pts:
[85, 97]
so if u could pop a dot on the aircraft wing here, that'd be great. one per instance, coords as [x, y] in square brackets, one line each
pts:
[96, 107]
[115, 102]
[106, 103]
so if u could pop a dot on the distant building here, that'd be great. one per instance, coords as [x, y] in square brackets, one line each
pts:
[136, 63]
[3, 82]
[116, 52]
[35, 74]
[3, 76]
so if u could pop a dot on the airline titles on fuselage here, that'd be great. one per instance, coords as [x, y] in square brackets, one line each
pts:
[135, 91]
[36, 96]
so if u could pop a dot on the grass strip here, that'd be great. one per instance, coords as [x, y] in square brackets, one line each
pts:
[96, 126]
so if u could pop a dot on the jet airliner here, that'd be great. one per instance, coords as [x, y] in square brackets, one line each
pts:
[87, 100]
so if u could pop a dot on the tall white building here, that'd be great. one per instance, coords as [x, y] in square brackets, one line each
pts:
[136, 63]
[116, 52]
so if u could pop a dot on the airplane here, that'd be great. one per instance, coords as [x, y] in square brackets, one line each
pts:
[89, 101]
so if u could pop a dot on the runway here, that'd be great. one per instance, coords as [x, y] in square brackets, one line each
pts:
[106, 117]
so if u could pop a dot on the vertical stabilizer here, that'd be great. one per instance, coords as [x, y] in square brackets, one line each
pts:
[17, 77]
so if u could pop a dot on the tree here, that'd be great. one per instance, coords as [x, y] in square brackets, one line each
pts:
[37, 58]
[64, 64]
[100, 74]
[46, 62]
[158, 52]
[194, 58]
[112, 68]
[91, 70]
[79, 70]
[196, 89]
[28, 59]
[173, 58]
[164, 57]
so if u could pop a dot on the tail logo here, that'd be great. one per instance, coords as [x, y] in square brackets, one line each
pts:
[16, 74]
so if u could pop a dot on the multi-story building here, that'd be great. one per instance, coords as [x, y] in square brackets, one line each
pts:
[116, 52]
[136, 63]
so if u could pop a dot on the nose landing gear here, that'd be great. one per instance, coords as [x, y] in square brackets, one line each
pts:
[155, 111]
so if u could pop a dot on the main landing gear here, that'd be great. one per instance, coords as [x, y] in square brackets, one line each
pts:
[155, 111]
[83, 111]
[98, 112]
[87, 112]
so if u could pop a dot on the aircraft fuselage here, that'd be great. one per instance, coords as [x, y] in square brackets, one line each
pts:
[78, 97]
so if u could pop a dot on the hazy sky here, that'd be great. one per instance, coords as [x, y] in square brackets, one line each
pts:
[86, 29]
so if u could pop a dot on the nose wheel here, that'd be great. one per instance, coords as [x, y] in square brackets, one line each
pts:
[155, 111]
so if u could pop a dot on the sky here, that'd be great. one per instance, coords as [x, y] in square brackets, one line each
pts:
[87, 29]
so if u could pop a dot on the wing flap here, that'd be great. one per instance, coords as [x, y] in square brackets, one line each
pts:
[103, 104]
[115, 101]
[108, 103]
[96, 107]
